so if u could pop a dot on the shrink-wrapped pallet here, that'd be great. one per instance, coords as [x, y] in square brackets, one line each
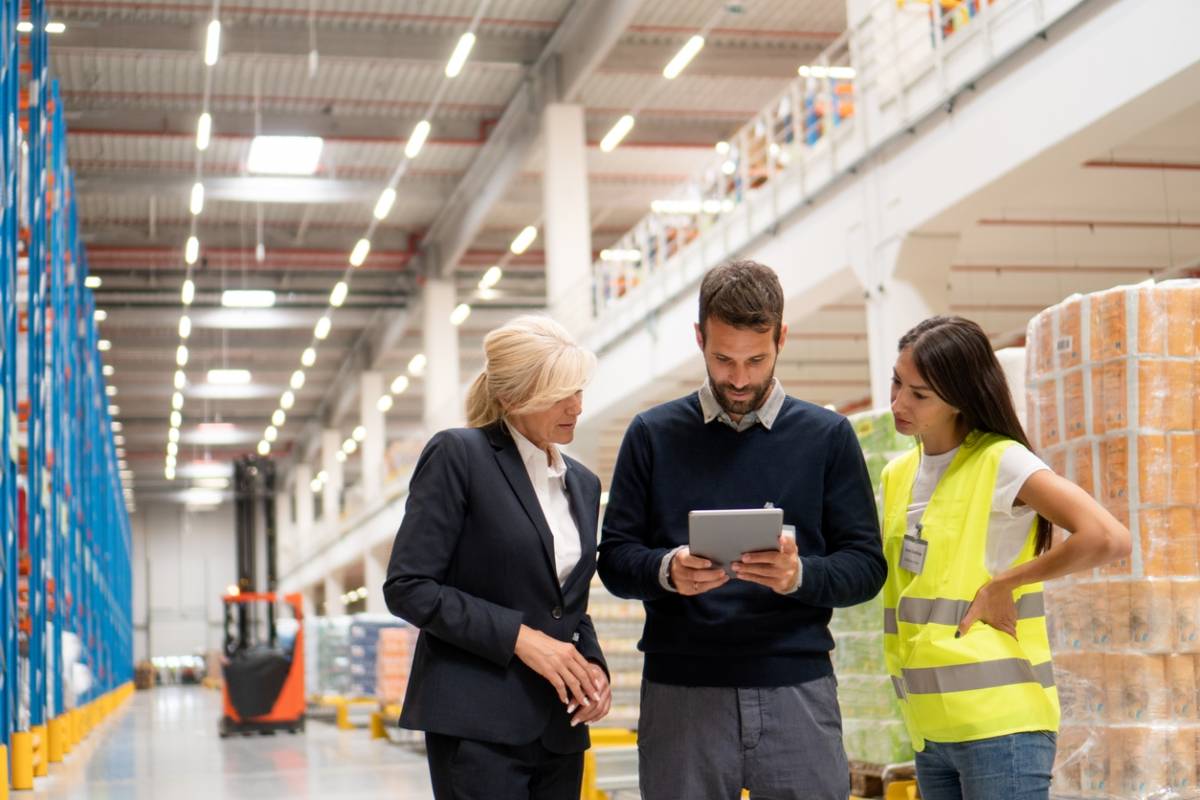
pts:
[1114, 401]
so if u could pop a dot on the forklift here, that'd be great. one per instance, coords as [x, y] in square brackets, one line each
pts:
[264, 671]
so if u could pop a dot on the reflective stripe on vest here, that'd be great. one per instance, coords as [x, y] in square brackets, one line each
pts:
[919, 611]
[981, 675]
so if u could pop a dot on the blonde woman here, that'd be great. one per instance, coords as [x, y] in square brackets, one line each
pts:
[492, 562]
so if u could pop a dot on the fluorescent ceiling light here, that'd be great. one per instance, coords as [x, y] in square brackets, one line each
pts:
[308, 357]
[836, 73]
[180, 379]
[383, 206]
[524, 239]
[287, 400]
[340, 455]
[119, 439]
[117, 427]
[297, 381]
[278, 418]
[722, 147]
[191, 250]
[684, 57]
[271, 433]
[264, 447]
[321, 329]
[260, 252]
[417, 139]
[459, 315]
[616, 133]
[196, 205]
[488, 294]
[176, 420]
[338, 295]
[172, 449]
[169, 473]
[173, 432]
[285, 155]
[384, 403]
[247, 298]
[114, 410]
[177, 400]
[108, 370]
[633, 256]
[359, 254]
[100, 315]
[181, 355]
[399, 386]
[92, 281]
[111, 391]
[314, 485]
[416, 364]
[349, 446]
[360, 431]
[228, 376]
[24, 26]
[203, 131]
[491, 277]
[104, 345]
[185, 326]
[459, 57]
[212, 43]
[56, 27]
[188, 293]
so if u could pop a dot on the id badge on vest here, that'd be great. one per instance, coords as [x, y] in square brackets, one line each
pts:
[913, 552]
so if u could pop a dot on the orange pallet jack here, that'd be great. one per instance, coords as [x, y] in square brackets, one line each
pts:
[263, 683]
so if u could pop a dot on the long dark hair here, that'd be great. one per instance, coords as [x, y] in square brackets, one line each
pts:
[956, 359]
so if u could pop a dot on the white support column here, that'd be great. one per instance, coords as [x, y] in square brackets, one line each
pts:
[910, 282]
[374, 574]
[286, 545]
[334, 589]
[331, 500]
[443, 406]
[301, 478]
[374, 445]
[567, 227]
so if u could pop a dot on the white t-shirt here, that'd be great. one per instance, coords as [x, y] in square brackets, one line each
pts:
[1008, 526]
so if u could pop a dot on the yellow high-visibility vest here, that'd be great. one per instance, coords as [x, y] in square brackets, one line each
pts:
[986, 683]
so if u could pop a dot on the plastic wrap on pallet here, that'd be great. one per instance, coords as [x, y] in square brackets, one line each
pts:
[1114, 405]
[873, 729]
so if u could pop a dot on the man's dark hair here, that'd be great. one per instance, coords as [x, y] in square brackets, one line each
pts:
[744, 294]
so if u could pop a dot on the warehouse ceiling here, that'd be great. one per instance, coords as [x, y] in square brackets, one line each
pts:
[360, 74]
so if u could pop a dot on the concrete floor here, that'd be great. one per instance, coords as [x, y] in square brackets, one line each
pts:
[164, 744]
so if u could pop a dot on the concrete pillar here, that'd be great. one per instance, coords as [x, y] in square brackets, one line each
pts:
[567, 220]
[443, 406]
[334, 589]
[331, 500]
[373, 447]
[909, 281]
[286, 545]
[374, 574]
[301, 478]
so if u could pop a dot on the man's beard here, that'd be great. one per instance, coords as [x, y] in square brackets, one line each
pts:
[740, 408]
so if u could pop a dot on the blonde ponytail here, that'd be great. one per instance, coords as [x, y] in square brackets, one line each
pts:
[482, 408]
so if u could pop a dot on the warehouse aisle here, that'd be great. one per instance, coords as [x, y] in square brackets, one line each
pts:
[165, 744]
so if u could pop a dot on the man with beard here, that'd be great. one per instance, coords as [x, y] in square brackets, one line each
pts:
[738, 689]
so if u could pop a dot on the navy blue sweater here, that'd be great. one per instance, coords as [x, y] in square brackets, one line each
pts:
[809, 464]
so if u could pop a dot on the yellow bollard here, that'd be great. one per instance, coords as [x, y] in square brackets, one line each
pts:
[56, 743]
[73, 727]
[41, 764]
[22, 760]
[3, 772]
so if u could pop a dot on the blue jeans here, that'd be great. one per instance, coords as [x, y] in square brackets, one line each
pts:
[1013, 767]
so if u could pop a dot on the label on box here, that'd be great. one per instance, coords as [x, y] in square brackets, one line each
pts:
[1065, 344]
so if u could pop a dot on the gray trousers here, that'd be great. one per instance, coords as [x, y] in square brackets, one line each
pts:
[709, 743]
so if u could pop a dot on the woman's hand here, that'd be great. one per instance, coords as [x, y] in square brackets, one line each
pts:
[598, 710]
[561, 664]
[993, 605]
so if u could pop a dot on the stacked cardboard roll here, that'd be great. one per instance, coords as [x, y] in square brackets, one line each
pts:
[873, 729]
[1114, 402]
[393, 663]
[364, 635]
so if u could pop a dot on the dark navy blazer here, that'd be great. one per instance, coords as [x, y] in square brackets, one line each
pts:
[473, 561]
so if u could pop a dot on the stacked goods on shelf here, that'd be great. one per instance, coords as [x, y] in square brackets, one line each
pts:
[618, 626]
[332, 656]
[394, 662]
[873, 729]
[1114, 401]
[363, 649]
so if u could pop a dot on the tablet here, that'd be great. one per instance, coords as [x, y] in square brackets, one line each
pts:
[723, 535]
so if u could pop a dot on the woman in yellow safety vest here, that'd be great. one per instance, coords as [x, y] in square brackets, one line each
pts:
[967, 523]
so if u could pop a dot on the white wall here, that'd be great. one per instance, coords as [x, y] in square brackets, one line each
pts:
[182, 562]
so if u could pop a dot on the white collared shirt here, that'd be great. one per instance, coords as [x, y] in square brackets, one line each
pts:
[549, 484]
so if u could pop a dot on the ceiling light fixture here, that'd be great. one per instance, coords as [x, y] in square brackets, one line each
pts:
[92, 281]
[196, 205]
[286, 400]
[384, 403]
[297, 381]
[212, 43]
[191, 251]
[383, 206]
[176, 421]
[400, 385]
[278, 418]
[684, 57]
[360, 432]
[359, 254]
[181, 355]
[56, 27]
[264, 448]
[491, 277]
[24, 26]
[416, 140]
[271, 433]
[188, 293]
[722, 147]
[321, 329]
[177, 400]
[104, 345]
[285, 155]
[416, 364]
[458, 58]
[632, 256]
[248, 298]
[180, 379]
[227, 377]
[172, 449]
[525, 238]
[616, 133]
[349, 446]
[308, 357]
[111, 391]
[108, 370]
[114, 410]
[338, 295]
[203, 131]
[185, 326]
[459, 315]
